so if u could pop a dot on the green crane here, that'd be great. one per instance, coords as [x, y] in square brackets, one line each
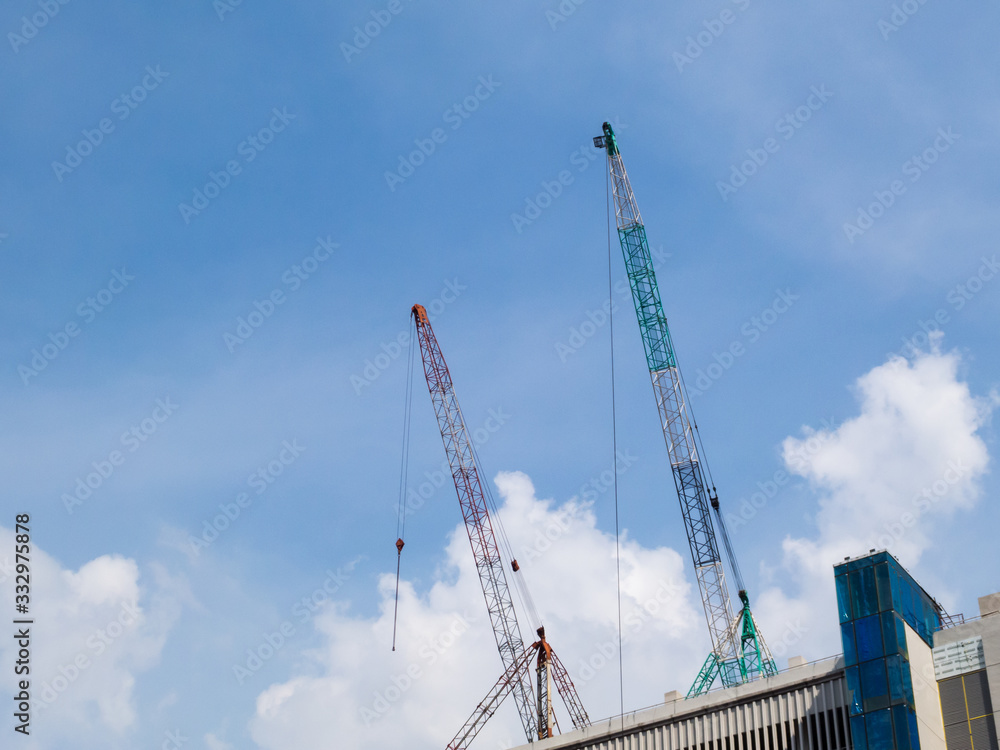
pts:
[739, 653]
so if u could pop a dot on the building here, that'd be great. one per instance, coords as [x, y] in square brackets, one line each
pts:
[910, 678]
[916, 677]
[887, 626]
[802, 708]
[967, 669]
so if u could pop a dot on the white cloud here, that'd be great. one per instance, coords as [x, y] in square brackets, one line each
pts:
[354, 689]
[95, 629]
[884, 478]
[917, 429]
[212, 742]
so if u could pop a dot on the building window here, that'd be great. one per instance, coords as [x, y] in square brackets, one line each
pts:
[879, 726]
[874, 686]
[868, 631]
[843, 598]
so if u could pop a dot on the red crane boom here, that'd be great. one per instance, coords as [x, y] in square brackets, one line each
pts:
[538, 719]
[461, 458]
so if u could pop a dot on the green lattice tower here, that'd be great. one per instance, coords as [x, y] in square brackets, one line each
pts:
[739, 653]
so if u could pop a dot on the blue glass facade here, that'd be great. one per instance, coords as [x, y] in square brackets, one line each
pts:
[875, 596]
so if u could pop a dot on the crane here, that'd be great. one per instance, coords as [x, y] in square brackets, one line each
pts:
[739, 653]
[537, 717]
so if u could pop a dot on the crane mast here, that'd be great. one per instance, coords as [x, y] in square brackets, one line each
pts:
[538, 719]
[489, 564]
[739, 653]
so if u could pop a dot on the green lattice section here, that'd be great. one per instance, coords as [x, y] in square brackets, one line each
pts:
[646, 295]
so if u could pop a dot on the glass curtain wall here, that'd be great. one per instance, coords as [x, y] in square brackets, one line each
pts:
[875, 596]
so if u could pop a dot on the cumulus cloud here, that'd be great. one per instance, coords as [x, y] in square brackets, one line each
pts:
[95, 629]
[212, 742]
[355, 691]
[911, 455]
[884, 479]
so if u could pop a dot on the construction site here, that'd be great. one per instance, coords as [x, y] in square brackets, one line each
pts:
[691, 306]
[910, 675]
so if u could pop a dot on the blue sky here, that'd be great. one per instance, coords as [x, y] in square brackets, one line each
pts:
[822, 111]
